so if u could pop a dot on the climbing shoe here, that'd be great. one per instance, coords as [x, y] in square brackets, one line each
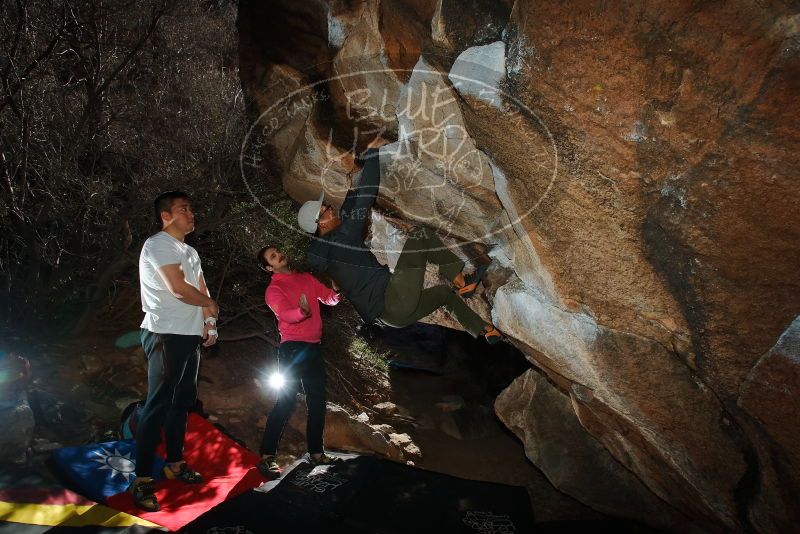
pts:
[184, 474]
[269, 468]
[471, 281]
[324, 459]
[493, 336]
[144, 494]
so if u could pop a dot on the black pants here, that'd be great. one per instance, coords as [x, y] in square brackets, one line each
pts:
[301, 364]
[172, 364]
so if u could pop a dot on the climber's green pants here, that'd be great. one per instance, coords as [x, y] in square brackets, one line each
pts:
[405, 302]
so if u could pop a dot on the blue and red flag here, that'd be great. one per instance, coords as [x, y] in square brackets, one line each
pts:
[103, 472]
[100, 470]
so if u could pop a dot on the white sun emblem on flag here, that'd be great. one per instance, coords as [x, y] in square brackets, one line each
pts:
[120, 464]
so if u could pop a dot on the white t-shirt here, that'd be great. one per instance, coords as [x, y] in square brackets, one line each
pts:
[163, 312]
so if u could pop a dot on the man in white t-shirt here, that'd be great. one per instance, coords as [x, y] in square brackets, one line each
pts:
[179, 313]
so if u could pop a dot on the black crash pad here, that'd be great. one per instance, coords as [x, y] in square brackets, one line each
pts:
[367, 494]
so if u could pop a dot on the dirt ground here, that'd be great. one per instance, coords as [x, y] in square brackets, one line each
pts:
[80, 387]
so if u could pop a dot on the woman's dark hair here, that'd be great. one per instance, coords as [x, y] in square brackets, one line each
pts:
[261, 261]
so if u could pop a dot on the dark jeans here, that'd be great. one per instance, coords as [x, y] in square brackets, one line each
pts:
[172, 364]
[301, 363]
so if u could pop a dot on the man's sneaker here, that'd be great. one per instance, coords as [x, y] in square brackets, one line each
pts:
[184, 474]
[269, 468]
[324, 459]
[144, 494]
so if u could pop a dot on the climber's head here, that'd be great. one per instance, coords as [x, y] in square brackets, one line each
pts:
[328, 219]
[315, 216]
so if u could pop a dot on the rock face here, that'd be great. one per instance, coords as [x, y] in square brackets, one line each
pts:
[545, 420]
[15, 411]
[16, 415]
[355, 433]
[631, 169]
[769, 396]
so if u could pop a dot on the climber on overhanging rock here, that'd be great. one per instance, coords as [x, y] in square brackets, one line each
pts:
[392, 299]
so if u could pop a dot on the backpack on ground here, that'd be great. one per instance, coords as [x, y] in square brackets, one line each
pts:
[130, 419]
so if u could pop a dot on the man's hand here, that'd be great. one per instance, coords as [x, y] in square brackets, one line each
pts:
[304, 307]
[210, 334]
[405, 226]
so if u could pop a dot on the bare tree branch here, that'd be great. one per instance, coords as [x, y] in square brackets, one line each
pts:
[249, 335]
[11, 91]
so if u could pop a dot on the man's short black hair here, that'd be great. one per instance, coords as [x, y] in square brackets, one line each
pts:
[163, 202]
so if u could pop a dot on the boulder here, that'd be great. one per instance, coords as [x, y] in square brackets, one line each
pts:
[386, 408]
[344, 431]
[478, 72]
[770, 396]
[634, 182]
[545, 421]
[16, 417]
[456, 25]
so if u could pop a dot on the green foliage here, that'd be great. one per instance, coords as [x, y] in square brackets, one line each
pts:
[268, 218]
[367, 353]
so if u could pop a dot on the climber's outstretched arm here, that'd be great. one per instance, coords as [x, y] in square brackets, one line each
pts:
[357, 207]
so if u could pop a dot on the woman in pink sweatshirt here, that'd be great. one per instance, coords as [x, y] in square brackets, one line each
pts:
[294, 297]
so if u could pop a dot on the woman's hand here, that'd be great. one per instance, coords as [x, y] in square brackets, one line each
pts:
[304, 307]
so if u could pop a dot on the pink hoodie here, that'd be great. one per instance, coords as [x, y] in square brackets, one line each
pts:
[283, 297]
